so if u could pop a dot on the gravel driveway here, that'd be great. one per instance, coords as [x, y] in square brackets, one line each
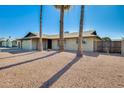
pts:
[54, 69]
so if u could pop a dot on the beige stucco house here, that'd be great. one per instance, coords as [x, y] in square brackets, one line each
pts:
[2, 42]
[5, 42]
[30, 41]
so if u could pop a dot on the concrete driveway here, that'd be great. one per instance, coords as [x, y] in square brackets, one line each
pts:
[13, 50]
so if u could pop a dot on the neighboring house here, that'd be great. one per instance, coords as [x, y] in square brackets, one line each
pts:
[30, 41]
[2, 42]
[14, 43]
[5, 42]
[8, 43]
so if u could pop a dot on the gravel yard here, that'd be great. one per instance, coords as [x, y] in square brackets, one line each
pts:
[54, 69]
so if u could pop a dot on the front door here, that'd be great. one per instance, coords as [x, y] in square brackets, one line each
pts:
[49, 44]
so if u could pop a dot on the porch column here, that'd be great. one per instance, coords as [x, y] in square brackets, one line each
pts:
[122, 47]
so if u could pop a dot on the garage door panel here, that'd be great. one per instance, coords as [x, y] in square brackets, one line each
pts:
[27, 44]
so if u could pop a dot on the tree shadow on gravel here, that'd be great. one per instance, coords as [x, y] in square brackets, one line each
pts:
[28, 61]
[56, 76]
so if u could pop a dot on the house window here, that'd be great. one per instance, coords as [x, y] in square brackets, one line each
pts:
[83, 41]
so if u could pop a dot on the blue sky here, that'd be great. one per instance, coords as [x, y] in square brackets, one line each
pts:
[16, 21]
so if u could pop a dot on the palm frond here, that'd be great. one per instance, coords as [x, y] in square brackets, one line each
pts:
[66, 7]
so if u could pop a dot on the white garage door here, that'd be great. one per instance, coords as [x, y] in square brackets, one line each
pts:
[27, 44]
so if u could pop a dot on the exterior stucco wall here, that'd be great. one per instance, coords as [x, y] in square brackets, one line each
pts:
[45, 44]
[9, 43]
[14, 43]
[19, 43]
[89, 44]
[55, 44]
[27, 44]
[4, 43]
[122, 47]
[34, 44]
[71, 44]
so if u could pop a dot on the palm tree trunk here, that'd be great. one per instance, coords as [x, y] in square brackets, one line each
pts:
[40, 33]
[80, 38]
[61, 40]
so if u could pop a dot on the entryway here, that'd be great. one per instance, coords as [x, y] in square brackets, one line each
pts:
[19, 44]
[49, 44]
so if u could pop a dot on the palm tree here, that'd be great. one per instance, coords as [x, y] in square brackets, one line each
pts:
[80, 38]
[62, 8]
[40, 33]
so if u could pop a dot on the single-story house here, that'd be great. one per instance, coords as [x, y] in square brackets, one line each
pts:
[2, 42]
[5, 42]
[30, 41]
[14, 43]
